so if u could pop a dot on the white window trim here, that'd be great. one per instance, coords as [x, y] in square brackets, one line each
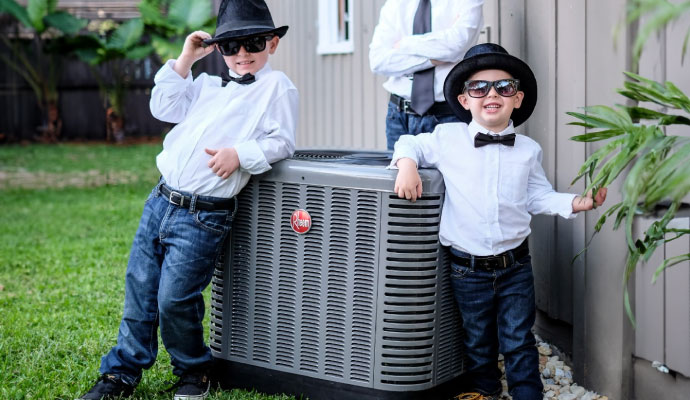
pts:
[328, 29]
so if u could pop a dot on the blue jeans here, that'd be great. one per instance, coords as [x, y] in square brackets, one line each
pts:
[400, 123]
[171, 262]
[498, 312]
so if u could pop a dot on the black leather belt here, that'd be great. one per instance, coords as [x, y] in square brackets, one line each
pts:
[499, 261]
[438, 108]
[180, 200]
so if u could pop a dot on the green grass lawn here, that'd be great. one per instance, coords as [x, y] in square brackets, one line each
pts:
[64, 244]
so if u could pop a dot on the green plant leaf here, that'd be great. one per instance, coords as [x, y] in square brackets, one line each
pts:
[596, 136]
[189, 15]
[37, 10]
[604, 117]
[126, 35]
[662, 118]
[669, 262]
[153, 18]
[66, 22]
[90, 56]
[17, 11]
[628, 309]
[139, 52]
[166, 49]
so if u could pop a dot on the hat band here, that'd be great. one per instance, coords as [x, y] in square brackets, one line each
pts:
[233, 26]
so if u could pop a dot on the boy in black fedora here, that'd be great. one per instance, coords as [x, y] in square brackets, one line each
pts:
[224, 134]
[494, 182]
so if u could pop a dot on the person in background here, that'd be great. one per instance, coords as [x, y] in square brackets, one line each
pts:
[415, 44]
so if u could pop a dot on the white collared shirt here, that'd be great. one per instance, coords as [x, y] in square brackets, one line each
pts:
[258, 120]
[490, 191]
[455, 26]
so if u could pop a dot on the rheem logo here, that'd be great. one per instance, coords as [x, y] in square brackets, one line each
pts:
[300, 221]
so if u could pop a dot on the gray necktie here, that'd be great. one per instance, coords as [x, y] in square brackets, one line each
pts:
[423, 81]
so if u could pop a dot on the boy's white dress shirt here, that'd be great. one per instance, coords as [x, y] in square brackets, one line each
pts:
[455, 28]
[490, 191]
[258, 120]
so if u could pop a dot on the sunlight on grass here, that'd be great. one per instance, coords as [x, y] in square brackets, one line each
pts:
[63, 254]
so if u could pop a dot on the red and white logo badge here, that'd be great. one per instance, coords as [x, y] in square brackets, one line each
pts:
[300, 221]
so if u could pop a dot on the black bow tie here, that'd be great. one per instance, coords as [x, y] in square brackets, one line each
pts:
[245, 79]
[482, 139]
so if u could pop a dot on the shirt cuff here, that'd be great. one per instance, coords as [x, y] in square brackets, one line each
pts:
[567, 210]
[402, 154]
[252, 158]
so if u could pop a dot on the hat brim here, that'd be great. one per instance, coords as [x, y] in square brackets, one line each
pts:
[455, 82]
[241, 33]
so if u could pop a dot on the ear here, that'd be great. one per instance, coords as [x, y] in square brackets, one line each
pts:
[464, 102]
[518, 99]
[273, 44]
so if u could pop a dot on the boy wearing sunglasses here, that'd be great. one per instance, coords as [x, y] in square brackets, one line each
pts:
[494, 182]
[224, 134]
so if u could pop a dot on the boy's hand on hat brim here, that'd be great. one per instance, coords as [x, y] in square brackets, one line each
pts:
[195, 48]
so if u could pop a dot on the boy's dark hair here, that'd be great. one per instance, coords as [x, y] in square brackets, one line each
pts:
[491, 56]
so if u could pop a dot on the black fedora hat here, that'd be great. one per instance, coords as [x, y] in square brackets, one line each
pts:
[242, 18]
[490, 56]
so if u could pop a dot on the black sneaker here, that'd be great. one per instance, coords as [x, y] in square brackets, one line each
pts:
[193, 386]
[108, 387]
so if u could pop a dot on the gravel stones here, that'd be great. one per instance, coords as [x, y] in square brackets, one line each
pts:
[556, 376]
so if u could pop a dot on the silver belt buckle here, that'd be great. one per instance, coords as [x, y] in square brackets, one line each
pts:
[407, 107]
[505, 260]
[170, 198]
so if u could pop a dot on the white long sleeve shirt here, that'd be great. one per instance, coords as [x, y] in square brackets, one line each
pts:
[490, 191]
[258, 120]
[455, 27]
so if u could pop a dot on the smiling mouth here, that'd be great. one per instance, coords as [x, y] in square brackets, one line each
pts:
[244, 62]
[492, 106]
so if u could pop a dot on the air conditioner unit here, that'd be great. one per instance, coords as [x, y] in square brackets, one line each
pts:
[358, 307]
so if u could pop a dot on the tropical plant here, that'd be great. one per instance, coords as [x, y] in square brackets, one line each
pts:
[37, 61]
[168, 22]
[109, 50]
[656, 165]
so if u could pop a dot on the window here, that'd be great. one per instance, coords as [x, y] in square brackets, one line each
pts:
[335, 27]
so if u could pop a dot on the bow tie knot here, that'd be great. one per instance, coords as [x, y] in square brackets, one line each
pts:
[482, 139]
[242, 80]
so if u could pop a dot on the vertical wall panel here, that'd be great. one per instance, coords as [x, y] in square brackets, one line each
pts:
[538, 47]
[649, 303]
[570, 96]
[677, 302]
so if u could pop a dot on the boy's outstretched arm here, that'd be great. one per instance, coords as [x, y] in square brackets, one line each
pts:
[408, 184]
[587, 203]
[192, 51]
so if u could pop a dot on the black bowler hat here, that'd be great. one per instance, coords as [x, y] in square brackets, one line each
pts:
[242, 18]
[490, 56]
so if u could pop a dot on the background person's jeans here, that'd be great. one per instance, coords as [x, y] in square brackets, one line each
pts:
[171, 262]
[400, 123]
[498, 312]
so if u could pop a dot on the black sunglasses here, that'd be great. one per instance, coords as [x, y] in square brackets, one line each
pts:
[253, 44]
[504, 87]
